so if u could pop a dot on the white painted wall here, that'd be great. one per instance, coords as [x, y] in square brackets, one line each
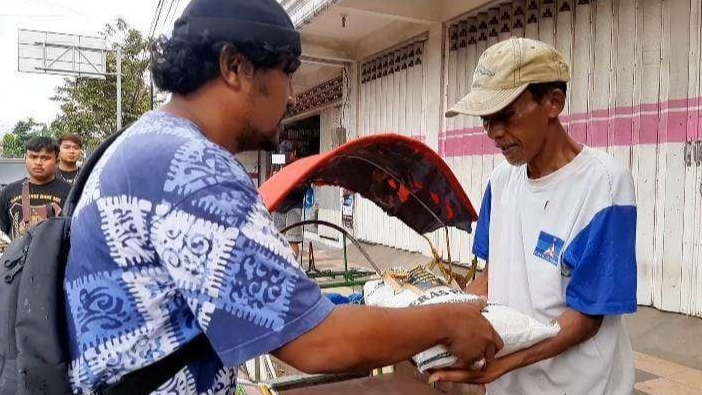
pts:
[634, 93]
[328, 198]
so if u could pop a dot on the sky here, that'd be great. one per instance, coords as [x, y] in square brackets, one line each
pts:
[28, 95]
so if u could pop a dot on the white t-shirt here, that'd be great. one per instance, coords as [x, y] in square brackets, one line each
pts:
[566, 240]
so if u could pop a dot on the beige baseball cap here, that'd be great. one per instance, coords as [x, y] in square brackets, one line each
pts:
[505, 70]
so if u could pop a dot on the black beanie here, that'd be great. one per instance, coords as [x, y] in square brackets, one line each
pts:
[250, 21]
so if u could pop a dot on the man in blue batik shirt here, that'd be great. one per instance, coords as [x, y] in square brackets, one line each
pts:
[170, 238]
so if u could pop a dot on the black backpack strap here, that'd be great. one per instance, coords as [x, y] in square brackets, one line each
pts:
[26, 204]
[84, 173]
[147, 380]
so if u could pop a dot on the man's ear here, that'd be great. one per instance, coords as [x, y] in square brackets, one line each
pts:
[555, 102]
[235, 69]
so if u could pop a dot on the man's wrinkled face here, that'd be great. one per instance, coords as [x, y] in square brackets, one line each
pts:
[519, 130]
[70, 152]
[40, 165]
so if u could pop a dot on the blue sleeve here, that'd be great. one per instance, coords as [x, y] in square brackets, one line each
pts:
[481, 239]
[236, 272]
[602, 264]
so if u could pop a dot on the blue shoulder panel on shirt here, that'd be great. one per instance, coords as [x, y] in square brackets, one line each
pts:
[481, 240]
[602, 262]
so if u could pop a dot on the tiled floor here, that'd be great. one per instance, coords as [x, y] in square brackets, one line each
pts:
[656, 376]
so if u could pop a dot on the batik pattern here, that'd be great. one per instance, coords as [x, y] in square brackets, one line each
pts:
[170, 243]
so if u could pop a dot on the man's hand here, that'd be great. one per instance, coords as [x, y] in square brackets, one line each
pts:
[575, 329]
[358, 338]
[472, 338]
[465, 374]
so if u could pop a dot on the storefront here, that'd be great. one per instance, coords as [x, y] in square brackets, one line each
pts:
[314, 126]
[636, 92]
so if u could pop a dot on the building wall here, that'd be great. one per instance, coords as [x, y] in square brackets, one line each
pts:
[392, 99]
[328, 197]
[635, 93]
[301, 11]
[12, 170]
[250, 161]
[408, 102]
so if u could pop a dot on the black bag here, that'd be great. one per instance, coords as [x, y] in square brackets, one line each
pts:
[33, 330]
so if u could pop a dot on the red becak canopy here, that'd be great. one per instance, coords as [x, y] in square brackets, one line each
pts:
[401, 175]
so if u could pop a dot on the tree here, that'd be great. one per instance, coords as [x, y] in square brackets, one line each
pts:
[89, 105]
[13, 143]
[11, 147]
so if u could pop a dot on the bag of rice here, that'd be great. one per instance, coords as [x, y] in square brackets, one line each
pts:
[419, 287]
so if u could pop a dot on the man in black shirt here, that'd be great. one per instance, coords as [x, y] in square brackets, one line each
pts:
[26, 202]
[70, 151]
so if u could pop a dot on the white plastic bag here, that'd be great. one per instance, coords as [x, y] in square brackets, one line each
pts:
[518, 331]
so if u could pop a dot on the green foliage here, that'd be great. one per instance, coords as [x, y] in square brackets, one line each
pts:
[13, 143]
[89, 105]
[11, 146]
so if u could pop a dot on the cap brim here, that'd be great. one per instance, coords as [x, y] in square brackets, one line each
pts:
[480, 102]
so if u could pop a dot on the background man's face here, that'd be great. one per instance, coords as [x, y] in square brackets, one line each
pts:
[70, 152]
[41, 165]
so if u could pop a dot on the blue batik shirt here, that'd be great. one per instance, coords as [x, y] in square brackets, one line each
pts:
[171, 239]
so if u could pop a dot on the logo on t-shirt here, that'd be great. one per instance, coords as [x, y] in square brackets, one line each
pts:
[549, 247]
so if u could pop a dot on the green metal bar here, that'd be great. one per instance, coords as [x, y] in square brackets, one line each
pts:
[346, 261]
[351, 277]
[341, 230]
[352, 273]
[343, 284]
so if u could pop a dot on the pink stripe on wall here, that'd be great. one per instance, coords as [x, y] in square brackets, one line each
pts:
[694, 119]
[672, 121]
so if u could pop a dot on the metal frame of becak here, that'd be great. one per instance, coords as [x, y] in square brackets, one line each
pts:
[351, 277]
[354, 277]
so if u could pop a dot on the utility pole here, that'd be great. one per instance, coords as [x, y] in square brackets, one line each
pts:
[151, 77]
[119, 88]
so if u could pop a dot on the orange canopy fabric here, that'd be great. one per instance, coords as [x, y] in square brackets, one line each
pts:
[401, 175]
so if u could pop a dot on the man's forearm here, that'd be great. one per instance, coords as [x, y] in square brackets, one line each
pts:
[575, 329]
[355, 338]
[479, 286]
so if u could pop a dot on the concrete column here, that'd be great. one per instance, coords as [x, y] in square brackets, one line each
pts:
[351, 102]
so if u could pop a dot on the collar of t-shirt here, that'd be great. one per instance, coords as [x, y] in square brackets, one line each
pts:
[559, 175]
